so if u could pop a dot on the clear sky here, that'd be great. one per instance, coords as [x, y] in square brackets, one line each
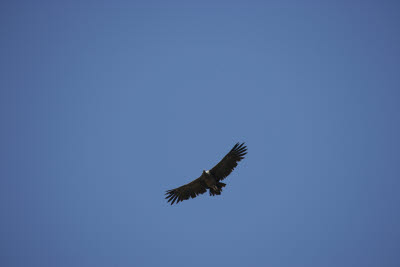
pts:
[105, 105]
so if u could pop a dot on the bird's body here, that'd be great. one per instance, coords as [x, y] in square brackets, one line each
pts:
[210, 179]
[212, 183]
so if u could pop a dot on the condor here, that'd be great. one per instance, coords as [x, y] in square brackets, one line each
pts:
[209, 180]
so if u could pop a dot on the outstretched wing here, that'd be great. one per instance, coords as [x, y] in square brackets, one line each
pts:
[190, 190]
[229, 162]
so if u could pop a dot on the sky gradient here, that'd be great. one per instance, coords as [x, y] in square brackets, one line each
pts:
[104, 106]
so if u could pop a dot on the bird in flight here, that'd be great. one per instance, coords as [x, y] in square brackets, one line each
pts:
[209, 179]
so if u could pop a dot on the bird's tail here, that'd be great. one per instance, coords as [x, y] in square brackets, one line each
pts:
[217, 189]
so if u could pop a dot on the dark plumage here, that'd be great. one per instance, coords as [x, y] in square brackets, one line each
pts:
[209, 179]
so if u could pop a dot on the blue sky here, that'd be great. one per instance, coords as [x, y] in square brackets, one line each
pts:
[104, 106]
